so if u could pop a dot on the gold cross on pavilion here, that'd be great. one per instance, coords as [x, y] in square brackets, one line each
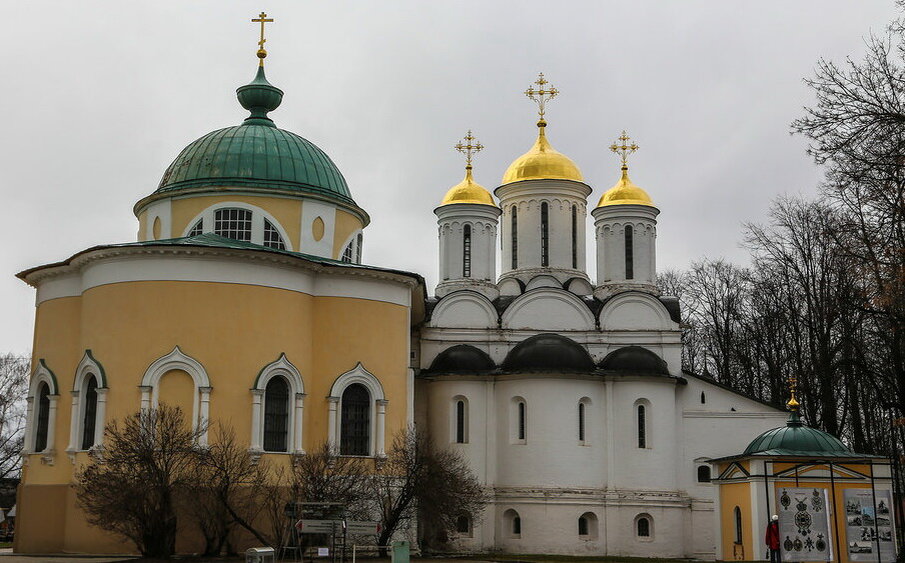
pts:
[541, 95]
[793, 404]
[471, 147]
[624, 149]
[262, 19]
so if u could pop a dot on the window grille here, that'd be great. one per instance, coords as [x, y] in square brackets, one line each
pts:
[348, 253]
[90, 415]
[544, 235]
[276, 415]
[643, 527]
[581, 422]
[43, 417]
[197, 229]
[233, 223]
[629, 253]
[521, 421]
[355, 431]
[272, 236]
[466, 251]
[642, 429]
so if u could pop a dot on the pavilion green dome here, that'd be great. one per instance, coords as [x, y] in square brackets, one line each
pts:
[796, 438]
[256, 154]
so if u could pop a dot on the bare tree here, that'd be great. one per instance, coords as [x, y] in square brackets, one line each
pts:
[13, 388]
[148, 458]
[420, 479]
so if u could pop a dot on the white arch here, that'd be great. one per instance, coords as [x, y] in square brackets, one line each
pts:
[548, 309]
[88, 366]
[150, 385]
[634, 310]
[257, 223]
[543, 280]
[464, 309]
[42, 374]
[282, 367]
[361, 376]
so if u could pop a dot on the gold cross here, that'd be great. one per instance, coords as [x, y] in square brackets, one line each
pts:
[793, 387]
[624, 149]
[262, 19]
[470, 148]
[541, 95]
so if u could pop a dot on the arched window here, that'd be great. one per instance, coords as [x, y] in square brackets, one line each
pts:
[514, 237]
[43, 417]
[587, 526]
[272, 236]
[463, 524]
[703, 398]
[512, 524]
[461, 428]
[355, 428]
[349, 253]
[197, 229]
[574, 237]
[582, 526]
[89, 416]
[642, 426]
[703, 474]
[544, 235]
[466, 251]
[521, 420]
[581, 415]
[276, 415]
[629, 253]
[233, 223]
[738, 525]
[642, 527]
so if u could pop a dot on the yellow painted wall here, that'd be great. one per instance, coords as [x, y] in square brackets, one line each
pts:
[178, 390]
[287, 211]
[732, 495]
[233, 330]
[345, 225]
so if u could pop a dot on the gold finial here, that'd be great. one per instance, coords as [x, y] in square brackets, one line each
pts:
[262, 19]
[624, 149]
[469, 148]
[793, 386]
[541, 95]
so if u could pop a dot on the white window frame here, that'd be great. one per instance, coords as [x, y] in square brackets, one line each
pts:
[88, 367]
[257, 222]
[282, 367]
[377, 438]
[42, 374]
[150, 387]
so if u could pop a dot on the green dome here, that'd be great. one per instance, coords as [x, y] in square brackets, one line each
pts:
[794, 438]
[256, 154]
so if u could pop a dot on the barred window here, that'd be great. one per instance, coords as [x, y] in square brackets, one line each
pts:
[581, 408]
[276, 415]
[521, 420]
[89, 418]
[643, 527]
[514, 237]
[272, 237]
[574, 237]
[629, 253]
[642, 427]
[544, 235]
[233, 223]
[355, 430]
[466, 251]
[43, 417]
[197, 229]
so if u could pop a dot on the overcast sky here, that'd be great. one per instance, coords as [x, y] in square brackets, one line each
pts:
[99, 97]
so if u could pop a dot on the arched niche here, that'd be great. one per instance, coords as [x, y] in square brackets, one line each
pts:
[548, 309]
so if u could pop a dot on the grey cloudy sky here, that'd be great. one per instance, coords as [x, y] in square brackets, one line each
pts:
[99, 97]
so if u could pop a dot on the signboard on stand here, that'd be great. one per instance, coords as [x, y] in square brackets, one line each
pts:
[868, 528]
[804, 530]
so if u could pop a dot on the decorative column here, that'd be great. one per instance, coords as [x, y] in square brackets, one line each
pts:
[74, 427]
[51, 430]
[381, 427]
[145, 397]
[332, 437]
[29, 425]
[101, 417]
[299, 424]
[257, 398]
[203, 417]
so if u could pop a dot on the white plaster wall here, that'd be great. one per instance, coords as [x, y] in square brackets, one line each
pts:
[311, 210]
[609, 228]
[161, 209]
[483, 221]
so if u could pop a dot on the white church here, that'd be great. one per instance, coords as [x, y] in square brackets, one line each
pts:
[568, 396]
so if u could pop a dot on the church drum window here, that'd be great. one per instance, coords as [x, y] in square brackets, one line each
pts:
[197, 229]
[629, 253]
[43, 417]
[89, 416]
[460, 422]
[703, 474]
[514, 237]
[233, 223]
[349, 253]
[466, 251]
[544, 235]
[276, 415]
[355, 430]
[642, 427]
[272, 237]
[574, 238]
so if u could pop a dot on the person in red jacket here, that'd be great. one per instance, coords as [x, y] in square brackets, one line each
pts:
[772, 539]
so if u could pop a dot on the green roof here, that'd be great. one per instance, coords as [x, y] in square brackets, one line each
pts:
[797, 439]
[256, 154]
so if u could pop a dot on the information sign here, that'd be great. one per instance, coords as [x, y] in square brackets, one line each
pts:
[363, 528]
[316, 526]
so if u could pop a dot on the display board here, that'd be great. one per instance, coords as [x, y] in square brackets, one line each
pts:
[804, 530]
[868, 528]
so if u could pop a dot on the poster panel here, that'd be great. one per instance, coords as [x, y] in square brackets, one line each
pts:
[804, 525]
[868, 528]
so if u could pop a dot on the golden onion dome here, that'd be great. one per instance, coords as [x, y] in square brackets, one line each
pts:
[468, 191]
[625, 193]
[542, 162]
